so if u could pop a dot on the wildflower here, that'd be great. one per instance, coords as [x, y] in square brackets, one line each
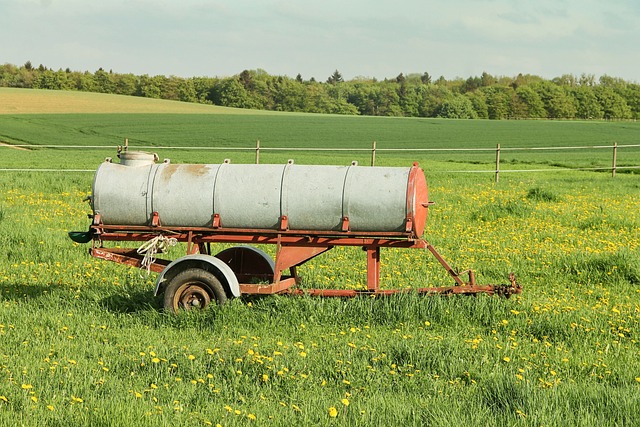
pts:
[4, 398]
[27, 386]
[506, 359]
[191, 357]
[265, 378]
[333, 412]
[155, 360]
[345, 402]
[251, 417]
[50, 407]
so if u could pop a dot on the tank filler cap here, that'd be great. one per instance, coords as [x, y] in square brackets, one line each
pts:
[137, 158]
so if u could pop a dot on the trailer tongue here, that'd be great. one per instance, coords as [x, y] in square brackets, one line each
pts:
[303, 210]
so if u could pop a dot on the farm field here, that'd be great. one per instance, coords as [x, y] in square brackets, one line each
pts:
[85, 342]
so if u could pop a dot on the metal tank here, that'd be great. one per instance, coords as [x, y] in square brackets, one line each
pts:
[261, 197]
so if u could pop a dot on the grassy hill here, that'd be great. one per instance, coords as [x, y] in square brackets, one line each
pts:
[36, 101]
[76, 119]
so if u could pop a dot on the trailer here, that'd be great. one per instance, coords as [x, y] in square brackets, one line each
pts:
[304, 210]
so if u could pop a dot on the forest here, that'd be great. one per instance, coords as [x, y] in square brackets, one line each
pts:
[524, 96]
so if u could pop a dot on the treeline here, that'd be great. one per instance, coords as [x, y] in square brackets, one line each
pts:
[413, 95]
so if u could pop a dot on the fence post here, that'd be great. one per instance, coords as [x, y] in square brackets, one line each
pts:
[257, 151]
[373, 154]
[615, 157]
[498, 163]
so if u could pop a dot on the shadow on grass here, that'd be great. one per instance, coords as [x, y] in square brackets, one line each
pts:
[132, 302]
[121, 300]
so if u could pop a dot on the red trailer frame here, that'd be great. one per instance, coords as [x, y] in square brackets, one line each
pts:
[293, 248]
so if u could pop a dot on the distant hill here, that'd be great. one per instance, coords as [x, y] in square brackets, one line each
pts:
[41, 101]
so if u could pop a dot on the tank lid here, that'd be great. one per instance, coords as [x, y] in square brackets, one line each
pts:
[137, 158]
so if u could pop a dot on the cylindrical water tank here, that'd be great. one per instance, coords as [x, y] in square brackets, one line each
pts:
[247, 196]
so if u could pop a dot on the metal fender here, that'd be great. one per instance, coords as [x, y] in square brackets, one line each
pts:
[207, 262]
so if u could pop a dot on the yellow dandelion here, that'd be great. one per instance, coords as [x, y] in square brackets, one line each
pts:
[333, 412]
[4, 398]
[191, 357]
[155, 360]
[27, 386]
[50, 407]
[345, 402]
[251, 417]
[265, 378]
[506, 359]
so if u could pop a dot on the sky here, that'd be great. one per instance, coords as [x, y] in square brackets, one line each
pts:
[359, 38]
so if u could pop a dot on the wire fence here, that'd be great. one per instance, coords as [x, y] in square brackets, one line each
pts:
[613, 167]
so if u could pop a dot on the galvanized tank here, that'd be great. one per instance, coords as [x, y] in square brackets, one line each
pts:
[247, 196]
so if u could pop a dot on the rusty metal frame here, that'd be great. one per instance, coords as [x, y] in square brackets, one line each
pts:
[293, 248]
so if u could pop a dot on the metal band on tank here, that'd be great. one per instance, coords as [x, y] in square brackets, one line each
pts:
[153, 171]
[284, 207]
[94, 195]
[214, 196]
[346, 199]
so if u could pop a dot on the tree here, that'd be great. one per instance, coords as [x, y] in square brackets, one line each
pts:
[557, 101]
[471, 84]
[534, 107]
[103, 82]
[457, 107]
[498, 102]
[149, 87]
[479, 102]
[613, 105]
[335, 78]
[588, 106]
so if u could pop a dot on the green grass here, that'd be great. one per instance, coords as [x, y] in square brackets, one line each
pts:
[85, 342]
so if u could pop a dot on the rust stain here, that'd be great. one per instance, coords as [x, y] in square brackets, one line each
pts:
[193, 169]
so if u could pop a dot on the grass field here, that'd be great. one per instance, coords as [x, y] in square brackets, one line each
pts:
[84, 342]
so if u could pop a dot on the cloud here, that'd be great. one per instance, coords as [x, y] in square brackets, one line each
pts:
[358, 37]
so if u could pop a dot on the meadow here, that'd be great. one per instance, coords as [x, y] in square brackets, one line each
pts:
[85, 342]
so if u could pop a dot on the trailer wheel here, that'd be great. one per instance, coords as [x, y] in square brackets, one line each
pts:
[193, 288]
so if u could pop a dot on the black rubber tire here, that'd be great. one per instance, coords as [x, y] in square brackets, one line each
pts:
[193, 288]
